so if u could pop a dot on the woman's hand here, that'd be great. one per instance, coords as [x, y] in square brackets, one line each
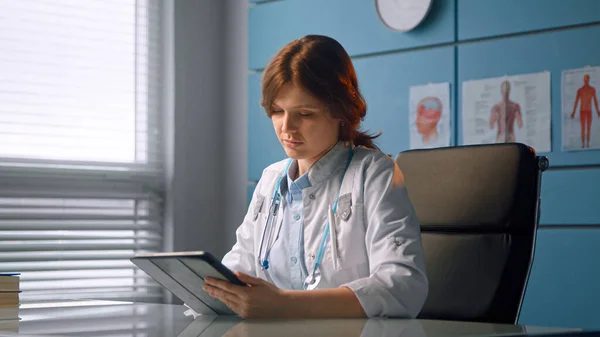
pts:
[259, 299]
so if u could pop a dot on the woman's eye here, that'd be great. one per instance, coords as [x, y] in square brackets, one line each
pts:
[304, 114]
[275, 111]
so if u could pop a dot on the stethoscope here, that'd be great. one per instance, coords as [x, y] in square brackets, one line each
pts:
[313, 279]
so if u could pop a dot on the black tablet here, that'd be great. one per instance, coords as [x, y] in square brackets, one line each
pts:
[183, 274]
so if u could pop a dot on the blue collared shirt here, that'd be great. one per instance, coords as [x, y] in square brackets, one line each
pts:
[287, 254]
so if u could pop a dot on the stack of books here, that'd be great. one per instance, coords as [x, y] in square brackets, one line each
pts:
[9, 302]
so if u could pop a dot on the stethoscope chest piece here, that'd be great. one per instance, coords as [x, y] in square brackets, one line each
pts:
[312, 281]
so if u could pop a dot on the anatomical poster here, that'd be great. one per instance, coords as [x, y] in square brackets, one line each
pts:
[429, 115]
[508, 109]
[580, 114]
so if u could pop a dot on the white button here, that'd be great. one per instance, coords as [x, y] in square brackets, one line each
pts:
[294, 260]
[296, 216]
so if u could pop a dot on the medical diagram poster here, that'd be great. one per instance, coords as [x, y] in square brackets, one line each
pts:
[429, 115]
[580, 115]
[508, 109]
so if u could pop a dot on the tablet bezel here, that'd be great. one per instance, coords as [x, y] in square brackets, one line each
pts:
[172, 272]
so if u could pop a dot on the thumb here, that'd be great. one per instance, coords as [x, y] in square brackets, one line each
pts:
[250, 280]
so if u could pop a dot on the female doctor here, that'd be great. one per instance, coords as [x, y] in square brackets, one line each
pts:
[330, 231]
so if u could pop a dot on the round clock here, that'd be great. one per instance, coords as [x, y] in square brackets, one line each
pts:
[402, 15]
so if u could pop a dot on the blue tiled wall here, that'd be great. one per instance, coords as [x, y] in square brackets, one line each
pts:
[464, 40]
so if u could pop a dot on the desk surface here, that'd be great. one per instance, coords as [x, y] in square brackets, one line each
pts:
[107, 318]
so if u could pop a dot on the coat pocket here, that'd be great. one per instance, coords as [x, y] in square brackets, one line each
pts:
[258, 206]
[349, 234]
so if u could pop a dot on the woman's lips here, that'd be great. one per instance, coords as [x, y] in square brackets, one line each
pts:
[292, 143]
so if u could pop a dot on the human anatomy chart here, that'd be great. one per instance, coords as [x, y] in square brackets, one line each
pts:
[429, 115]
[580, 114]
[508, 109]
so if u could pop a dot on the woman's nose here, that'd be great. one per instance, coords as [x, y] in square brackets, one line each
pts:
[288, 123]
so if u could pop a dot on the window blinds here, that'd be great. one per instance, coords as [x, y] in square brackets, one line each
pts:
[81, 174]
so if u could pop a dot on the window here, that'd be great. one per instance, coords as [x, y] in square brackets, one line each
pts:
[81, 174]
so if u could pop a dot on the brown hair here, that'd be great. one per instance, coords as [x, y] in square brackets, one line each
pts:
[320, 65]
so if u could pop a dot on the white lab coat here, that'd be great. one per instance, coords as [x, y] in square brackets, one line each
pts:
[376, 233]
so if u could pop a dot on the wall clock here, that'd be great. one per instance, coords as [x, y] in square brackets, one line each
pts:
[402, 15]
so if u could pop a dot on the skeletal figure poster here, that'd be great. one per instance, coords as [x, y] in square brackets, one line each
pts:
[580, 114]
[429, 115]
[508, 109]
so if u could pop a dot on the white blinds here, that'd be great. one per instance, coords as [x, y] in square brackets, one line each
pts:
[81, 178]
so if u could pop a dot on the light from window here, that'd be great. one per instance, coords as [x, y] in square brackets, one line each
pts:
[68, 80]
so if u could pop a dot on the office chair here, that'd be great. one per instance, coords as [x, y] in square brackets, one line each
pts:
[478, 206]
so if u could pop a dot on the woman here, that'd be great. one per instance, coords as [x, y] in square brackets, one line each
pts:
[334, 218]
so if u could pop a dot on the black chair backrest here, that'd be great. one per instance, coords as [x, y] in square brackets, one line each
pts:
[478, 206]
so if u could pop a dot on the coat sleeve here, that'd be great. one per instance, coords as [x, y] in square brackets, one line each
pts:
[242, 256]
[397, 285]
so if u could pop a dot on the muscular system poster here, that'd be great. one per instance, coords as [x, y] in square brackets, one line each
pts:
[580, 114]
[508, 109]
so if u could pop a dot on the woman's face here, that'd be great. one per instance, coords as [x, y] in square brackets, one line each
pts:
[303, 124]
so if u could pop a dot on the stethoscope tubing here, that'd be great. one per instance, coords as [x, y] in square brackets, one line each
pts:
[270, 223]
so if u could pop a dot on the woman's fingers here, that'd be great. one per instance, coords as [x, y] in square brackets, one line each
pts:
[223, 294]
[226, 285]
[231, 300]
[250, 280]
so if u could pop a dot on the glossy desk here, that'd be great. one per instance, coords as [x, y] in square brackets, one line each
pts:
[107, 318]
